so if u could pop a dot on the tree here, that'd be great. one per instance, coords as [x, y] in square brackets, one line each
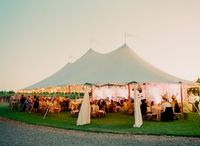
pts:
[198, 80]
[6, 94]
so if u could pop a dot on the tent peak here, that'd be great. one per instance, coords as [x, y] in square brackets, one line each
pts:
[90, 50]
[124, 47]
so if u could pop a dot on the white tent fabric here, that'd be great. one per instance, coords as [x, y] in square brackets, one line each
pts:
[137, 110]
[84, 113]
[122, 65]
[69, 74]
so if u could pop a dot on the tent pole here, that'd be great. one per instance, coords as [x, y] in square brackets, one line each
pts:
[168, 90]
[92, 93]
[135, 94]
[129, 94]
[181, 90]
[69, 89]
[145, 88]
[199, 90]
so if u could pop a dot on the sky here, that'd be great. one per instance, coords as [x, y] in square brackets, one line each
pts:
[38, 37]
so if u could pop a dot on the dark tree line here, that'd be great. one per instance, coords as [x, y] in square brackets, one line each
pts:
[6, 94]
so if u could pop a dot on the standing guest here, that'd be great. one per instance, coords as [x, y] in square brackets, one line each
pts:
[173, 98]
[36, 103]
[143, 107]
[22, 102]
[67, 104]
[28, 103]
[191, 100]
[196, 102]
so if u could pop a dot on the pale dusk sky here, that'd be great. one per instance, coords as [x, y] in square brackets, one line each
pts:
[38, 37]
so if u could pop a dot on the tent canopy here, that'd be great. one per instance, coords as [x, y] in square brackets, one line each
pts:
[122, 65]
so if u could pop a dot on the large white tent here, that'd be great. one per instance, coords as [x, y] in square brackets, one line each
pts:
[122, 65]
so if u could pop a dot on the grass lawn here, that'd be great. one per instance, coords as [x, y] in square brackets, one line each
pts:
[112, 122]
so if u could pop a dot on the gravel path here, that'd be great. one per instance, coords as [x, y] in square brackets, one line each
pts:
[21, 134]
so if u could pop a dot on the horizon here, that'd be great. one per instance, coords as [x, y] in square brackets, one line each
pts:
[37, 38]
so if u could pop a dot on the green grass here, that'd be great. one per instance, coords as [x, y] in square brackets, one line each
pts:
[113, 123]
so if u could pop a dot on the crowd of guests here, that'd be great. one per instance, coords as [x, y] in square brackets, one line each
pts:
[98, 107]
[164, 111]
[102, 106]
[57, 104]
[38, 103]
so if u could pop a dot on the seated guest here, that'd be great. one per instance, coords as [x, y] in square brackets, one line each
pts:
[57, 106]
[99, 103]
[151, 105]
[125, 105]
[165, 104]
[104, 105]
[94, 109]
[112, 106]
[176, 107]
[167, 114]
[130, 106]
[143, 107]
[118, 106]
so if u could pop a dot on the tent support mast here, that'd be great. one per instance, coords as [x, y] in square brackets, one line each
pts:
[92, 92]
[181, 90]
[145, 90]
[129, 94]
[199, 90]
[69, 89]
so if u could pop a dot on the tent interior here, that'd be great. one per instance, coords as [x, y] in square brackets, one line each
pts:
[150, 91]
